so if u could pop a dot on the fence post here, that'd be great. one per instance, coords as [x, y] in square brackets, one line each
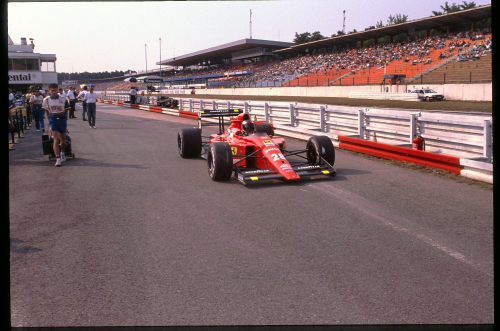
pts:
[213, 104]
[191, 105]
[292, 114]
[322, 118]
[228, 104]
[487, 141]
[180, 104]
[245, 104]
[361, 124]
[413, 127]
[266, 112]
[201, 104]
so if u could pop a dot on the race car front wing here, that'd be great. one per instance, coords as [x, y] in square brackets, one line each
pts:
[244, 175]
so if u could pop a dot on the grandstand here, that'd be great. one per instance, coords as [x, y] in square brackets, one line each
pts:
[340, 60]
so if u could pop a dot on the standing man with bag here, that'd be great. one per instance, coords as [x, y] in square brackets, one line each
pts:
[81, 96]
[72, 101]
[36, 109]
[91, 99]
[133, 93]
[57, 108]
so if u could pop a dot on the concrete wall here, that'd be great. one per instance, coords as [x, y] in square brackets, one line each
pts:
[471, 92]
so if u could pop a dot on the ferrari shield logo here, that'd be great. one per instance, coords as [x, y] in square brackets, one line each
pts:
[234, 150]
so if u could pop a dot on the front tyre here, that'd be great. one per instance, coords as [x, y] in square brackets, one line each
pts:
[189, 142]
[220, 161]
[320, 146]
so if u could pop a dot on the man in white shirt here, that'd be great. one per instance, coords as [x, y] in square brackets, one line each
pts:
[11, 96]
[57, 108]
[36, 100]
[72, 101]
[133, 93]
[62, 94]
[91, 99]
[81, 96]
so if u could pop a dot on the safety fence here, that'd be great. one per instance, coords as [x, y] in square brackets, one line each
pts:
[21, 120]
[465, 136]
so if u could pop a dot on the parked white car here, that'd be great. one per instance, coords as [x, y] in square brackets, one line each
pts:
[428, 94]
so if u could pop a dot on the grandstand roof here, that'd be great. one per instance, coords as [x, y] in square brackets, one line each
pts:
[467, 15]
[222, 52]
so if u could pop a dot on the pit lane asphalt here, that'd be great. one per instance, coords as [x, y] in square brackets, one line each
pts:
[128, 233]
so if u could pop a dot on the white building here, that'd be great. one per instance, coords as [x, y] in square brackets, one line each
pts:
[29, 68]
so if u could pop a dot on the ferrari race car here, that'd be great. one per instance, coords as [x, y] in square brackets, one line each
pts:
[251, 151]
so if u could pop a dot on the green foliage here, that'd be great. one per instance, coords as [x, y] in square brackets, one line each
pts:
[398, 18]
[379, 24]
[301, 38]
[316, 36]
[454, 7]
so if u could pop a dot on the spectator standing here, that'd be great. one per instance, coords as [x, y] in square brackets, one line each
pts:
[81, 96]
[72, 101]
[57, 107]
[11, 95]
[91, 99]
[133, 93]
[36, 109]
[62, 94]
[11, 122]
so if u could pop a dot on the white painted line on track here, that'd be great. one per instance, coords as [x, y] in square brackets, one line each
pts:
[374, 211]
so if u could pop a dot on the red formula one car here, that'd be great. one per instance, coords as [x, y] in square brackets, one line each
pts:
[252, 152]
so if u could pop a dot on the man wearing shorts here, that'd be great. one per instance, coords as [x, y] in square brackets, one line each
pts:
[57, 108]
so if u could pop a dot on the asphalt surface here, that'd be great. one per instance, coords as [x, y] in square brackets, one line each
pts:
[128, 233]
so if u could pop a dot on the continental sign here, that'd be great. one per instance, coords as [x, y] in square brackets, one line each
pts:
[20, 77]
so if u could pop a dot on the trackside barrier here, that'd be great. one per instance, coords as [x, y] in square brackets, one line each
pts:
[460, 143]
[444, 162]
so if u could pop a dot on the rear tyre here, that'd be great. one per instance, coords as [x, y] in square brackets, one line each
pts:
[268, 129]
[189, 142]
[426, 98]
[220, 161]
[320, 146]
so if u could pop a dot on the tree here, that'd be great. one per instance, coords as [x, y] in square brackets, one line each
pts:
[379, 24]
[352, 31]
[340, 33]
[316, 36]
[301, 38]
[468, 5]
[398, 18]
[370, 27]
[454, 7]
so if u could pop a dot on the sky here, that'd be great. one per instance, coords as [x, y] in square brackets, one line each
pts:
[109, 36]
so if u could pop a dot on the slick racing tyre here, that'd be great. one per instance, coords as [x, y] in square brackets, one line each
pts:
[189, 142]
[264, 128]
[320, 146]
[220, 161]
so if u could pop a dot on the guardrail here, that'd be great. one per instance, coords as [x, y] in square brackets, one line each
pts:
[465, 136]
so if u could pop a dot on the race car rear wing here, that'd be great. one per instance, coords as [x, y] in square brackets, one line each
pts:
[220, 113]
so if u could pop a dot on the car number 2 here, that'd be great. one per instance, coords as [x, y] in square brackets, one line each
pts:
[277, 157]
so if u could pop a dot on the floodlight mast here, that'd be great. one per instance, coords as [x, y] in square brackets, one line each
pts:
[343, 25]
[250, 24]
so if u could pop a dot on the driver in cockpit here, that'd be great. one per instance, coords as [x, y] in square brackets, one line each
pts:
[247, 127]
